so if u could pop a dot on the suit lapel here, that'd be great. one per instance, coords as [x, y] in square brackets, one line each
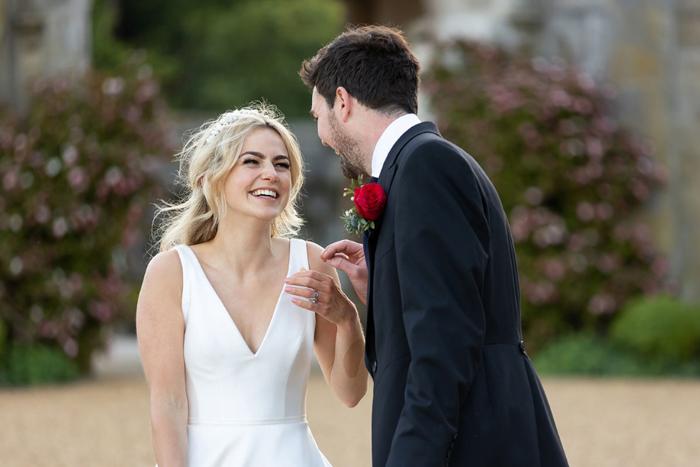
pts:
[369, 240]
[386, 177]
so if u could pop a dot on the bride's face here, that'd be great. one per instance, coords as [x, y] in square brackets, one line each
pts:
[260, 182]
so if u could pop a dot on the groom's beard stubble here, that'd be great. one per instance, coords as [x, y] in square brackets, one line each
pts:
[349, 169]
[348, 151]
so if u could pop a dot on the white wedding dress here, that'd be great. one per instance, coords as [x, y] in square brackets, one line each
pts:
[247, 409]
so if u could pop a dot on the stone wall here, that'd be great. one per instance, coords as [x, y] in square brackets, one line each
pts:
[685, 89]
[39, 38]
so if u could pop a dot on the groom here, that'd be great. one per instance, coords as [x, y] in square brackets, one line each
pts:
[452, 382]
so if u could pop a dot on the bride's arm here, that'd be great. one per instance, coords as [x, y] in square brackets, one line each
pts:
[339, 341]
[161, 328]
[340, 350]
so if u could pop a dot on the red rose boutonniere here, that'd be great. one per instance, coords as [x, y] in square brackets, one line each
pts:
[369, 205]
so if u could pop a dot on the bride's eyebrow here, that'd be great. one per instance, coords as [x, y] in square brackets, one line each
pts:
[253, 153]
[262, 156]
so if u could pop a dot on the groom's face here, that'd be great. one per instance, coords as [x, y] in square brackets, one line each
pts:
[332, 134]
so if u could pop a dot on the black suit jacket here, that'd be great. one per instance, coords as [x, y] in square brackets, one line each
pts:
[452, 382]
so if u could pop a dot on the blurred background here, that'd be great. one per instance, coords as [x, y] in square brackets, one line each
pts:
[585, 115]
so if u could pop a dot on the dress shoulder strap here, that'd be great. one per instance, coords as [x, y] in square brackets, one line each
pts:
[187, 259]
[298, 256]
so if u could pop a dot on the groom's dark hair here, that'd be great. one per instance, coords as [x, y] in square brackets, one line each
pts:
[373, 63]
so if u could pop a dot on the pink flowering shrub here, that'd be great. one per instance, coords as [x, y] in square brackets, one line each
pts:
[76, 175]
[570, 179]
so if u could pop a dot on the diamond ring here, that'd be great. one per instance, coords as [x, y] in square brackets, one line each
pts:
[314, 299]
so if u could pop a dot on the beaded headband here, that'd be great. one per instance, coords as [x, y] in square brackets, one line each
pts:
[228, 119]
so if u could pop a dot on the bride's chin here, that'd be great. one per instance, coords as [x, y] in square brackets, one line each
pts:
[251, 218]
[268, 218]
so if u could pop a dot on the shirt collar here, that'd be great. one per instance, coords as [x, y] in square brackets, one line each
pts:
[389, 138]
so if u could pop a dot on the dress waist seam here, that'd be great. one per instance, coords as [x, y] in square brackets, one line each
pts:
[233, 422]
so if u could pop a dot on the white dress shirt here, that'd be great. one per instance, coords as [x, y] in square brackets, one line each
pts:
[389, 138]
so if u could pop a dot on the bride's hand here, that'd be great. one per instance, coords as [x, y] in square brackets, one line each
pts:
[349, 257]
[331, 303]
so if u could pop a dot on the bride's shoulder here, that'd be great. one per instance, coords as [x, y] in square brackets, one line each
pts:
[163, 259]
[165, 269]
[314, 251]
[311, 246]
[160, 297]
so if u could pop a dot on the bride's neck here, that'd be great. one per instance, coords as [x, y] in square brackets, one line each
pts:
[242, 246]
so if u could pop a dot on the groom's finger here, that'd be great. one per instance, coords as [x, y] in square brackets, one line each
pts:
[344, 265]
[345, 247]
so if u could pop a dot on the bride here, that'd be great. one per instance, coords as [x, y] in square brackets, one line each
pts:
[233, 307]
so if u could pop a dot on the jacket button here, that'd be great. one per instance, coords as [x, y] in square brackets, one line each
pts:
[374, 366]
[522, 346]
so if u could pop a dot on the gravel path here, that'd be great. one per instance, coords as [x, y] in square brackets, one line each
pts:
[105, 423]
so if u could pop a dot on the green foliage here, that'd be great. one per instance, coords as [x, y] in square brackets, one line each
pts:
[222, 54]
[109, 53]
[659, 326]
[584, 354]
[3, 339]
[31, 365]
[569, 177]
[587, 354]
[77, 174]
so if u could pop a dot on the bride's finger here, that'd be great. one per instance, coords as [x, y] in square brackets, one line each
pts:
[304, 304]
[323, 286]
[300, 291]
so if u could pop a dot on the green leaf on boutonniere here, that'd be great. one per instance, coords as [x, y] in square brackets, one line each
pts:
[354, 222]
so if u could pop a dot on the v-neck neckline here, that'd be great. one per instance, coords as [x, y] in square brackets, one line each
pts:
[230, 317]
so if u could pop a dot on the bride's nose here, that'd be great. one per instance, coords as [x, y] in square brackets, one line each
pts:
[269, 173]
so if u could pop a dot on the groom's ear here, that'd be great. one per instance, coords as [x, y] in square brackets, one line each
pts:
[343, 102]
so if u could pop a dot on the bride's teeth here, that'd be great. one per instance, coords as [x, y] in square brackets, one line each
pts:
[269, 193]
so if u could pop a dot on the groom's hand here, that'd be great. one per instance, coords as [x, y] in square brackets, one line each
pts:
[349, 257]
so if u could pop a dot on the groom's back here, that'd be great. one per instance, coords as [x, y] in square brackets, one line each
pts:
[501, 292]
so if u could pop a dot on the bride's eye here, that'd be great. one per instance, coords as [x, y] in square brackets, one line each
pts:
[284, 165]
[249, 161]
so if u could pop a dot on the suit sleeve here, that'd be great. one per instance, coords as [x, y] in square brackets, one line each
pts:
[441, 241]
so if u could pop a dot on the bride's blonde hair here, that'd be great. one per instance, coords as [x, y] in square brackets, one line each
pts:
[209, 154]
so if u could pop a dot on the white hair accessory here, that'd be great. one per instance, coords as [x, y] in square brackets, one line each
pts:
[227, 119]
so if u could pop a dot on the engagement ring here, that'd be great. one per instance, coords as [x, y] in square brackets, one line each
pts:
[314, 299]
